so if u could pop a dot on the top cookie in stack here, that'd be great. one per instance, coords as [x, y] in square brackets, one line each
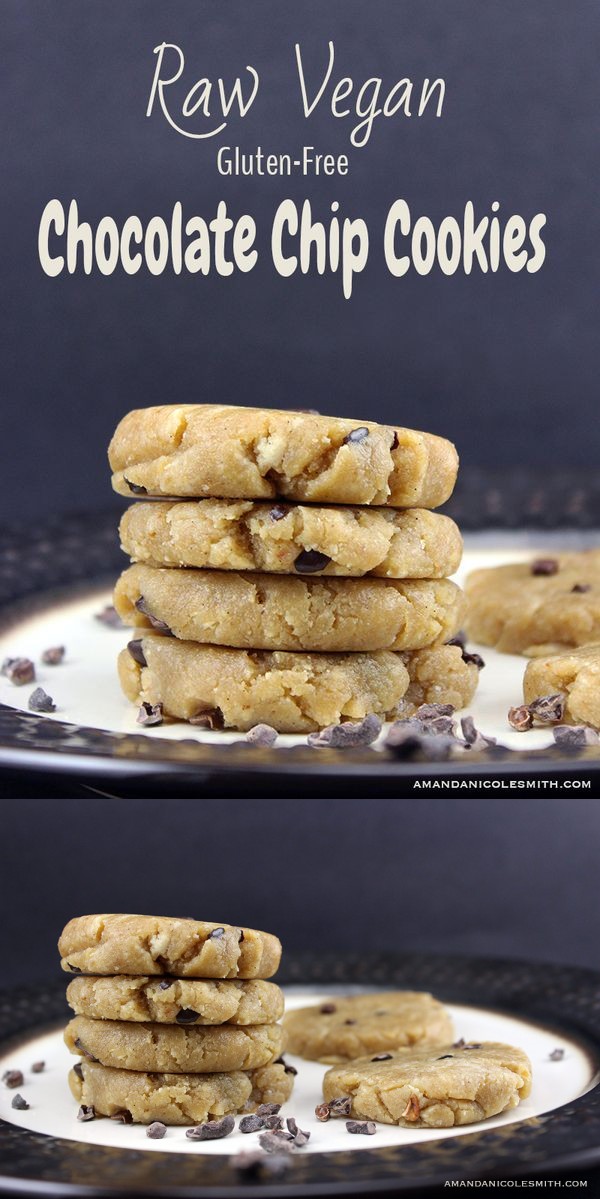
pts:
[237, 568]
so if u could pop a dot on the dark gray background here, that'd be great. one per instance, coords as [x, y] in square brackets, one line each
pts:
[507, 365]
[479, 876]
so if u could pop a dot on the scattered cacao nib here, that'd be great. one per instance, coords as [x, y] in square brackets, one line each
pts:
[356, 436]
[274, 1123]
[268, 1109]
[210, 718]
[364, 1127]
[122, 1117]
[13, 1078]
[165, 984]
[54, 655]
[382, 1057]
[545, 566]
[20, 1104]
[280, 1061]
[322, 1112]
[212, 1130]
[19, 671]
[78, 1070]
[443, 1057]
[309, 562]
[156, 1130]
[216, 934]
[38, 1067]
[40, 701]
[520, 718]
[74, 969]
[575, 736]
[253, 1163]
[262, 735]
[82, 1049]
[186, 1015]
[348, 734]
[300, 1136]
[149, 714]
[277, 512]
[474, 659]
[135, 488]
[275, 1142]
[473, 738]
[251, 1123]
[412, 1111]
[86, 1112]
[336, 1109]
[160, 625]
[409, 739]
[110, 617]
[395, 441]
[137, 652]
[581, 588]
[427, 712]
[327, 1009]
[548, 709]
[556, 1055]
[435, 718]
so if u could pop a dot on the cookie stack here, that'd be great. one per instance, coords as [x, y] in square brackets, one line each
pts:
[174, 1019]
[292, 574]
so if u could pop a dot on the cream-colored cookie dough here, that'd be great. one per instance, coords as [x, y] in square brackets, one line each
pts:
[177, 1098]
[575, 673]
[240, 535]
[172, 1048]
[128, 944]
[199, 450]
[294, 693]
[433, 1088]
[345, 1028]
[260, 611]
[519, 611]
[175, 1000]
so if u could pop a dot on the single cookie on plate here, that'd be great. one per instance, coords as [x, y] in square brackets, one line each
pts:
[536, 608]
[292, 692]
[348, 1027]
[201, 450]
[277, 612]
[175, 1000]
[169, 1048]
[433, 1088]
[177, 1098]
[575, 673]
[119, 943]
[292, 538]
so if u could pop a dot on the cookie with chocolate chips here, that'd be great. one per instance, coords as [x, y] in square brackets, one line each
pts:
[186, 1048]
[175, 1000]
[575, 676]
[375, 1023]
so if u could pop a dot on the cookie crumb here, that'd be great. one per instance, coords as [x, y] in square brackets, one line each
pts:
[309, 562]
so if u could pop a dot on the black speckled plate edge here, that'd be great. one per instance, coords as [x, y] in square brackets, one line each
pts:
[565, 998]
[81, 553]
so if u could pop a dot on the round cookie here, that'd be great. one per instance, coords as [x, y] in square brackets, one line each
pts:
[172, 1048]
[283, 538]
[128, 944]
[294, 693]
[349, 1027]
[201, 450]
[433, 1088]
[575, 673]
[177, 1098]
[260, 611]
[175, 1000]
[538, 607]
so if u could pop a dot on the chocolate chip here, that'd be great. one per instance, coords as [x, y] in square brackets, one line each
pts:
[82, 1049]
[110, 617]
[581, 588]
[262, 735]
[473, 738]
[473, 659]
[86, 1112]
[251, 1124]
[280, 1061]
[38, 1067]
[382, 1057]
[545, 566]
[19, 671]
[460, 640]
[78, 1070]
[40, 701]
[149, 714]
[327, 1009]
[209, 718]
[137, 652]
[216, 934]
[443, 1057]
[548, 709]
[136, 488]
[556, 1055]
[575, 736]
[349, 1021]
[160, 625]
[277, 513]
[364, 1127]
[212, 1130]
[241, 937]
[395, 442]
[54, 655]
[74, 969]
[347, 734]
[356, 436]
[20, 1103]
[122, 1117]
[310, 561]
[520, 718]
[156, 1130]
[13, 1078]
[165, 984]
[268, 1109]
[186, 1015]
